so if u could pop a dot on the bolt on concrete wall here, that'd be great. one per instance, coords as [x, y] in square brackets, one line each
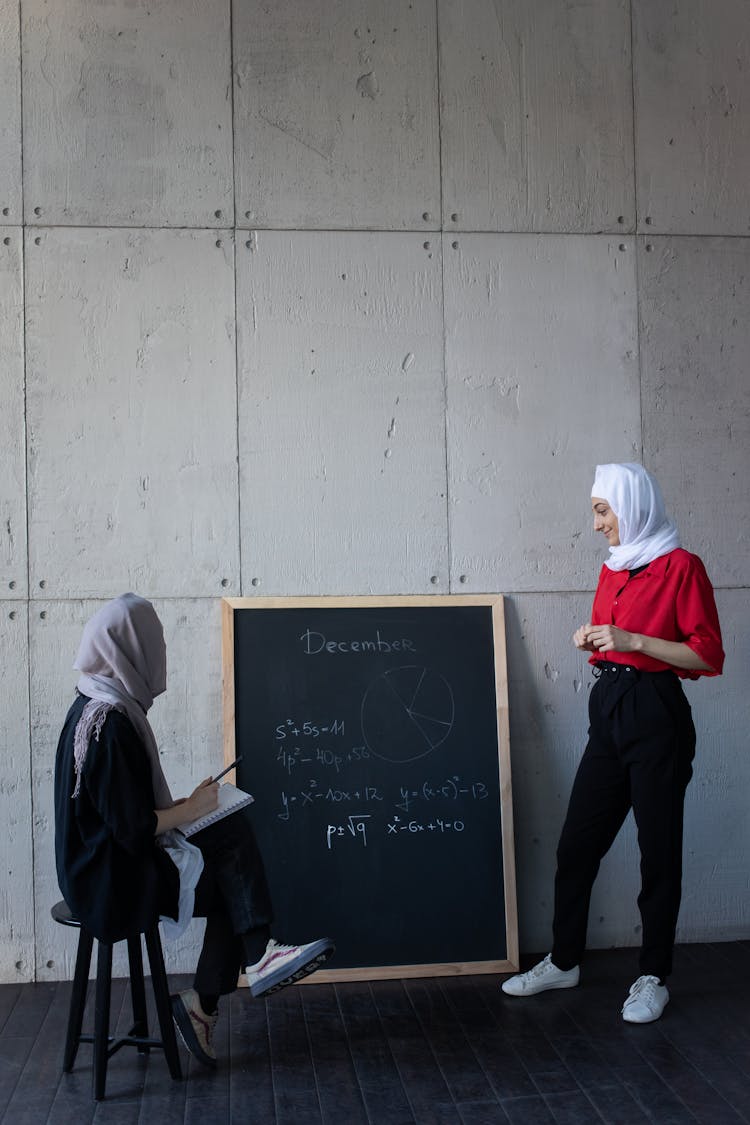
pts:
[351, 297]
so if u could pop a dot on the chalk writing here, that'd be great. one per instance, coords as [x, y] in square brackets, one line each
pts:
[413, 827]
[406, 713]
[308, 729]
[355, 826]
[451, 789]
[314, 643]
[290, 758]
[313, 793]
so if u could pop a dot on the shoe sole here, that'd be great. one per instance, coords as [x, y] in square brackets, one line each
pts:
[650, 1019]
[187, 1033]
[539, 991]
[293, 971]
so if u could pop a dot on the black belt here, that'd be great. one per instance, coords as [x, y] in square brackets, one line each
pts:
[608, 668]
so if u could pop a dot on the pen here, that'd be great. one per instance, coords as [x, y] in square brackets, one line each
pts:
[227, 769]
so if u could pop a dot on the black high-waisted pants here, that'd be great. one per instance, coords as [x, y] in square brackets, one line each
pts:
[639, 755]
[232, 895]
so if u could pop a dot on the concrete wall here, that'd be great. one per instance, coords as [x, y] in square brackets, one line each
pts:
[350, 296]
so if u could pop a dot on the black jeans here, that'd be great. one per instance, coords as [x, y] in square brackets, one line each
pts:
[232, 895]
[639, 755]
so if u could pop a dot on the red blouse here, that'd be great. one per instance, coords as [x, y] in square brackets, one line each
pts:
[671, 598]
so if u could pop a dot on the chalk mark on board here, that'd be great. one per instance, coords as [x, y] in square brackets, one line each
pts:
[407, 713]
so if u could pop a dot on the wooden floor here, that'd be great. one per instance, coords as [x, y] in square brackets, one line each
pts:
[432, 1052]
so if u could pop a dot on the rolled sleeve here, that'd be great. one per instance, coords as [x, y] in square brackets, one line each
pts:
[698, 618]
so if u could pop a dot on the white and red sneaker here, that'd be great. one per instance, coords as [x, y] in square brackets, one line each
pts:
[281, 965]
[195, 1027]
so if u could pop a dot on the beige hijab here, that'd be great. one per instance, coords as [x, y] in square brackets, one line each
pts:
[122, 659]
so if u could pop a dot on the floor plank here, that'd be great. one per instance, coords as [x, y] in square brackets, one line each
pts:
[459, 1065]
[9, 994]
[295, 1087]
[251, 1093]
[421, 1076]
[378, 1076]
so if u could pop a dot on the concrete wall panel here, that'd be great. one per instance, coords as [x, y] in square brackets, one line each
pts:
[127, 113]
[16, 857]
[341, 413]
[695, 342]
[186, 721]
[542, 374]
[536, 122]
[716, 896]
[132, 413]
[54, 635]
[336, 116]
[10, 118]
[13, 561]
[692, 95]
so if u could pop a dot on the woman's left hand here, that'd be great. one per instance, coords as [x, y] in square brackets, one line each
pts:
[608, 638]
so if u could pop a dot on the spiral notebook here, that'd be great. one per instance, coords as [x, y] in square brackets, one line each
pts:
[230, 800]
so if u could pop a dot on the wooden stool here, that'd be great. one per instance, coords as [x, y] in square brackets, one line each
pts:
[104, 1044]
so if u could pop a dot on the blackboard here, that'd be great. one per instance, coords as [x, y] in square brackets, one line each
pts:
[374, 735]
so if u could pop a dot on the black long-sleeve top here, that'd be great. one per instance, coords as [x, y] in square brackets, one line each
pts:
[112, 873]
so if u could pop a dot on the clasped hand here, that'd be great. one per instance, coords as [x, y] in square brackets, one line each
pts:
[604, 638]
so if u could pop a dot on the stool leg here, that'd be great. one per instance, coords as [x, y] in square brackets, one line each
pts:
[78, 998]
[101, 1018]
[163, 1005]
[138, 992]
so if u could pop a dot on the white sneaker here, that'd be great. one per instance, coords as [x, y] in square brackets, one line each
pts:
[542, 977]
[646, 1001]
[281, 965]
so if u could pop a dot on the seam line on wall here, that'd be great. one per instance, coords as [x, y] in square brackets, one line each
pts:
[237, 419]
[424, 231]
[234, 296]
[177, 598]
[24, 354]
[21, 108]
[637, 246]
[633, 115]
[439, 113]
[449, 559]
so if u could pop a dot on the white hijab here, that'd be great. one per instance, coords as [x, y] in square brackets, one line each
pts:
[646, 531]
[122, 659]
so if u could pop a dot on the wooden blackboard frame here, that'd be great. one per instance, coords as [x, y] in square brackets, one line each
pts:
[497, 605]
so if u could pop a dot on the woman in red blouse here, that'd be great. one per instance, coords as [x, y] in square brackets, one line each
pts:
[653, 624]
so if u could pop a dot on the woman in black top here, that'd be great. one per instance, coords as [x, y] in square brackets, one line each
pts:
[120, 862]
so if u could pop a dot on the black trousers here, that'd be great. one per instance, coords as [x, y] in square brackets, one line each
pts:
[639, 755]
[232, 895]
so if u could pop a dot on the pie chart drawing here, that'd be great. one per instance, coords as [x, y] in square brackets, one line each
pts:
[407, 713]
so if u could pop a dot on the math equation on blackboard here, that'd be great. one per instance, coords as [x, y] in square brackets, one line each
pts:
[315, 759]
